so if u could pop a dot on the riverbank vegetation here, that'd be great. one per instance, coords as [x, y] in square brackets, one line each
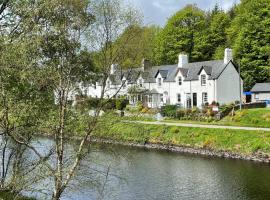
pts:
[6, 195]
[235, 141]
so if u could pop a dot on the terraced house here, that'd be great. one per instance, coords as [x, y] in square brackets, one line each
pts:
[186, 84]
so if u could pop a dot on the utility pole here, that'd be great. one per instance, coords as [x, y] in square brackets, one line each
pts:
[240, 86]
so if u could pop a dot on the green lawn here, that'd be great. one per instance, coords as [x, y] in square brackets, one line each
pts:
[237, 141]
[259, 117]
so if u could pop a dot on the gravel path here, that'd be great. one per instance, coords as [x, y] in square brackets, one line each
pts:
[204, 126]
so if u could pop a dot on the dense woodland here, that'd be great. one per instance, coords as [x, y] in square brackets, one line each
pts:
[204, 35]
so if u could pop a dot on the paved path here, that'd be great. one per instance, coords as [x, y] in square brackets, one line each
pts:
[203, 126]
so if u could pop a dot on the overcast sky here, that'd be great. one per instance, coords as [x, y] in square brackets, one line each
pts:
[158, 11]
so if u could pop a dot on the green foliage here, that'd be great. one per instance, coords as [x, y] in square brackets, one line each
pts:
[121, 103]
[258, 117]
[249, 36]
[236, 141]
[182, 33]
[6, 195]
[139, 43]
[169, 111]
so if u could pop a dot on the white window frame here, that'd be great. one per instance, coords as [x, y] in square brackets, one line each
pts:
[161, 98]
[159, 81]
[180, 82]
[150, 98]
[204, 97]
[203, 79]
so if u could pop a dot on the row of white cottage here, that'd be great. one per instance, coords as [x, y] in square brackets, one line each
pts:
[186, 84]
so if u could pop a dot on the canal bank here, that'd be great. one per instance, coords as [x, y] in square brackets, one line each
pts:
[251, 145]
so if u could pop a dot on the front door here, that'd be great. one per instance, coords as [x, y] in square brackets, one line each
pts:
[194, 99]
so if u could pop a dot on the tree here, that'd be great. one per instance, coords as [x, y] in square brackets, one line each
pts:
[112, 19]
[250, 38]
[219, 22]
[140, 47]
[21, 106]
[184, 32]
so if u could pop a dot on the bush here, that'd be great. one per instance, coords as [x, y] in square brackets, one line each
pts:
[169, 111]
[180, 114]
[121, 103]
[139, 106]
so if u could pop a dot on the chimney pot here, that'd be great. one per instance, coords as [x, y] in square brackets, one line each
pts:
[228, 55]
[182, 60]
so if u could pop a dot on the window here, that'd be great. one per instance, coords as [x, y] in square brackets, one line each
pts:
[161, 97]
[256, 96]
[204, 98]
[179, 98]
[124, 83]
[85, 91]
[140, 82]
[159, 81]
[188, 99]
[203, 79]
[150, 98]
[180, 80]
[139, 97]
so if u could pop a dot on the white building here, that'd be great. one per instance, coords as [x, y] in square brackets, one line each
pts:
[261, 92]
[186, 84]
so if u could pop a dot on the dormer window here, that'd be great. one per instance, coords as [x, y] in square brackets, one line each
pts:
[140, 82]
[203, 79]
[180, 80]
[159, 82]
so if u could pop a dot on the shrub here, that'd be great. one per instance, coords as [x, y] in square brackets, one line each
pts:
[180, 114]
[145, 110]
[139, 106]
[121, 103]
[169, 111]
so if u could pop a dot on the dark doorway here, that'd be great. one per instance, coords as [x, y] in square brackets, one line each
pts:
[194, 99]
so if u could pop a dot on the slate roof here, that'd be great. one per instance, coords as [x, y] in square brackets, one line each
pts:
[190, 72]
[261, 87]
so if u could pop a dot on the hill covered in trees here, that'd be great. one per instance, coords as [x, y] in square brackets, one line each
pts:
[204, 35]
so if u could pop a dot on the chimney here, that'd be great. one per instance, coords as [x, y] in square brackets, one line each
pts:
[146, 64]
[113, 69]
[182, 60]
[228, 55]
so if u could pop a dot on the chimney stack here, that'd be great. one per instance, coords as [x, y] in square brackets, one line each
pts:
[182, 60]
[146, 64]
[228, 55]
[113, 69]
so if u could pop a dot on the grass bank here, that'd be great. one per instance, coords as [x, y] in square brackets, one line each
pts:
[259, 117]
[234, 141]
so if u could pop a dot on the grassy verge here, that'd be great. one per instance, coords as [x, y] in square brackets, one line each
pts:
[235, 141]
[259, 117]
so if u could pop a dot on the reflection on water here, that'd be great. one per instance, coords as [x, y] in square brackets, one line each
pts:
[138, 174]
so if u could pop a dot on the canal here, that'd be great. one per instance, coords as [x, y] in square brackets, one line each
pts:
[113, 172]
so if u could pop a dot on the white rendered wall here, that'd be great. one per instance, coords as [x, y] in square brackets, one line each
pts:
[228, 90]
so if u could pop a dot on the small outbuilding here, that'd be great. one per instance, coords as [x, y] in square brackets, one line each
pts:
[261, 92]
